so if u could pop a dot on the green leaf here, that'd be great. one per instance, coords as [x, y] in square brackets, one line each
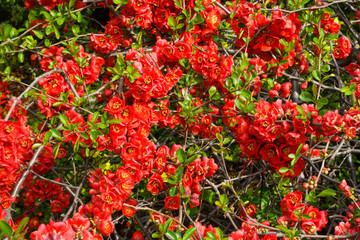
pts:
[220, 233]
[317, 75]
[179, 173]
[115, 121]
[181, 155]
[60, 20]
[171, 235]
[156, 235]
[56, 151]
[167, 224]
[47, 136]
[7, 71]
[311, 197]
[327, 193]
[224, 199]
[283, 229]
[321, 102]
[56, 31]
[36, 145]
[239, 105]
[306, 97]
[211, 235]
[251, 107]
[6, 228]
[213, 93]
[55, 133]
[189, 233]
[191, 159]
[291, 155]
[63, 118]
[171, 22]
[71, 3]
[7, 30]
[300, 109]
[79, 15]
[21, 57]
[283, 42]
[173, 191]
[21, 225]
[198, 19]
[283, 170]
[84, 136]
[49, 30]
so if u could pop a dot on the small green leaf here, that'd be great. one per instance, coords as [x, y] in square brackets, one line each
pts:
[181, 155]
[282, 229]
[56, 31]
[49, 30]
[300, 110]
[21, 225]
[306, 97]
[156, 235]
[173, 191]
[36, 145]
[224, 199]
[84, 136]
[198, 19]
[189, 233]
[167, 224]
[56, 151]
[327, 193]
[6, 228]
[211, 235]
[179, 173]
[55, 133]
[171, 235]
[283, 170]
[21, 57]
[63, 118]
[317, 75]
[7, 30]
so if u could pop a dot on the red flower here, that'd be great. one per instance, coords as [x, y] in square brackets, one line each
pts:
[172, 202]
[79, 222]
[286, 89]
[56, 206]
[267, 43]
[291, 202]
[106, 227]
[137, 236]
[115, 105]
[270, 153]
[213, 19]
[250, 211]
[155, 184]
[309, 227]
[317, 217]
[129, 211]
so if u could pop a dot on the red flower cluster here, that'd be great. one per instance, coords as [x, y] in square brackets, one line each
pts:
[269, 136]
[42, 189]
[345, 188]
[328, 24]
[295, 211]
[194, 174]
[251, 24]
[343, 48]
[55, 84]
[16, 151]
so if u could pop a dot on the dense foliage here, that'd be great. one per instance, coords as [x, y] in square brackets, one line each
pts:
[179, 119]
